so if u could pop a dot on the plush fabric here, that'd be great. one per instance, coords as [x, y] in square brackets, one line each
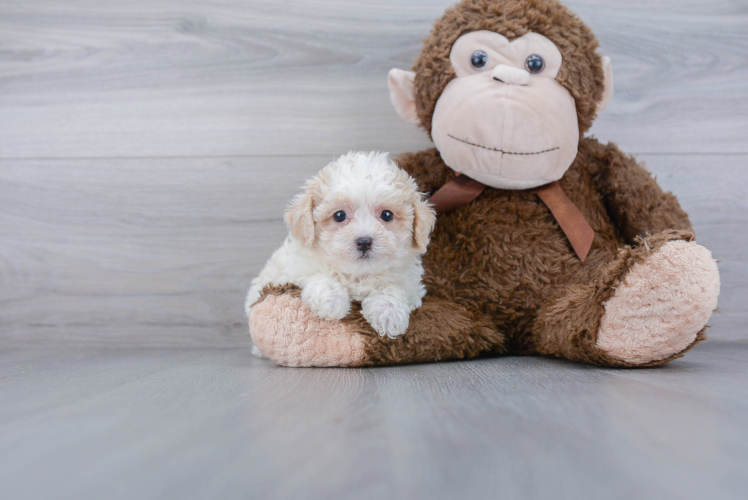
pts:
[664, 302]
[501, 276]
[400, 83]
[528, 135]
[502, 279]
[519, 145]
[286, 331]
[581, 74]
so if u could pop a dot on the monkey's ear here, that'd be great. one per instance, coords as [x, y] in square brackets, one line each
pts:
[299, 218]
[608, 90]
[402, 94]
[424, 219]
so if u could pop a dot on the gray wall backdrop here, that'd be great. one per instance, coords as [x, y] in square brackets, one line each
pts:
[148, 148]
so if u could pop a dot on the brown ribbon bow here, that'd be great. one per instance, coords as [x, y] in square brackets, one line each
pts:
[462, 190]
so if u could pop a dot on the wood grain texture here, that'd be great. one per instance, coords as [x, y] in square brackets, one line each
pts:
[156, 252]
[199, 78]
[148, 149]
[160, 252]
[181, 423]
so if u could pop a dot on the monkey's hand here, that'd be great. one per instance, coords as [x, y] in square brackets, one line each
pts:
[286, 331]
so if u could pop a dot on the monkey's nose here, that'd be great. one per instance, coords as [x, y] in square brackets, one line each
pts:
[364, 244]
[510, 75]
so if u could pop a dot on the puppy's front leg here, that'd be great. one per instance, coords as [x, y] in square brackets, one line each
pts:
[326, 297]
[387, 312]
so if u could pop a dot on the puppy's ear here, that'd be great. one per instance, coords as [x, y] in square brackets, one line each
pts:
[424, 219]
[299, 218]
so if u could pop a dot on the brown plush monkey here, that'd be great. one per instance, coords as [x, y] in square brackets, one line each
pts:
[506, 89]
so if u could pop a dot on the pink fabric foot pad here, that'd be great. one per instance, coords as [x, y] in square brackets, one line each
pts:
[661, 305]
[288, 333]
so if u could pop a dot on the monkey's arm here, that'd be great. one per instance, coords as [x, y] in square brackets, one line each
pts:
[427, 168]
[287, 332]
[633, 198]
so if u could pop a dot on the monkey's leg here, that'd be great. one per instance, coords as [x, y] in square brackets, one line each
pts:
[287, 332]
[647, 307]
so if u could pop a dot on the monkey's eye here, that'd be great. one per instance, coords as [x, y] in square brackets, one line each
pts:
[339, 216]
[387, 216]
[535, 64]
[479, 59]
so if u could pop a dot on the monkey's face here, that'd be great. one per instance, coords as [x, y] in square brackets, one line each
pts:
[505, 121]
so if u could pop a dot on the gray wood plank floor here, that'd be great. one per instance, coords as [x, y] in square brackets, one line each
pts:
[147, 150]
[201, 423]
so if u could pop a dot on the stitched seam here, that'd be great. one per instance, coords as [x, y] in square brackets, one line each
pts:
[502, 151]
[504, 132]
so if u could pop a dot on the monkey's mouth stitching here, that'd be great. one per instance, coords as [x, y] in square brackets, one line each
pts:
[501, 150]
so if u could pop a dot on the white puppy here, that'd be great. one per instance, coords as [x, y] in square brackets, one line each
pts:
[357, 232]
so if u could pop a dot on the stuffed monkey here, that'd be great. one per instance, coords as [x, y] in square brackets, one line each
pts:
[547, 243]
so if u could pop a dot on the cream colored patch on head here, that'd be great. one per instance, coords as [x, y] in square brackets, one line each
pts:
[662, 304]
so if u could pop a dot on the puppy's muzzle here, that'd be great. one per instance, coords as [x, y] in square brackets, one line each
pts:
[364, 244]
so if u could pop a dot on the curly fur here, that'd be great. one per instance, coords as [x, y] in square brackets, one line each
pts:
[323, 256]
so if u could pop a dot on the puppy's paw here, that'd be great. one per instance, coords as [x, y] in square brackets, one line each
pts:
[326, 298]
[387, 315]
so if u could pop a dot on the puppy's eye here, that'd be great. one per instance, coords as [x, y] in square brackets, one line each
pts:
[479, 59]
[339, 216]
[387, 216]
[534, 64]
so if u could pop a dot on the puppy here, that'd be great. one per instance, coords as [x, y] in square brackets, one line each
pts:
[357, 232]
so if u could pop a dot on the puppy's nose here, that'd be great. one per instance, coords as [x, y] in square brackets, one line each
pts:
[364, 244]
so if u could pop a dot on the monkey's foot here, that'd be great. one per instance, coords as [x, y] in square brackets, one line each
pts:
[287, 332]
[661, 305]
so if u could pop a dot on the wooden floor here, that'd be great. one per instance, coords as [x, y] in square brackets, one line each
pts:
[202, 423]
[147, 151]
